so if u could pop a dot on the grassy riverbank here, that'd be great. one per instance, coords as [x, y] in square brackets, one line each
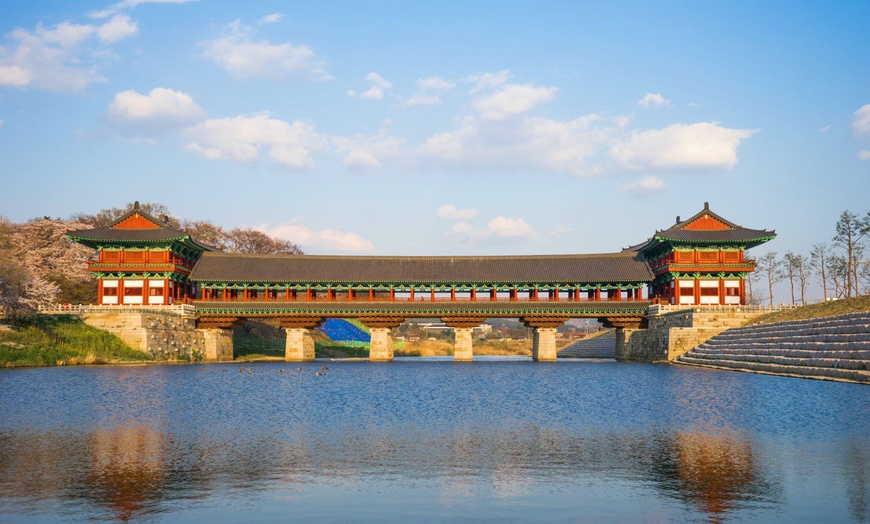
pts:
[62, 340]
[827, 309]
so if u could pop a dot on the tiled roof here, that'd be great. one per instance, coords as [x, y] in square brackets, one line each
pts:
[162, 233]
[679, 233]
[612, 267]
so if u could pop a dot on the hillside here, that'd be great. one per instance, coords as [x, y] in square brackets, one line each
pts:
[827, 309]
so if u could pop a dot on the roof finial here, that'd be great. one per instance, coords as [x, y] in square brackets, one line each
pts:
[136, 205]
[678, 219]
[706, 206]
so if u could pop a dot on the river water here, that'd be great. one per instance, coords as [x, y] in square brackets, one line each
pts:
[423, 440]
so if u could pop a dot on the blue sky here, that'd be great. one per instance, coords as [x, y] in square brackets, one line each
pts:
[448, 128]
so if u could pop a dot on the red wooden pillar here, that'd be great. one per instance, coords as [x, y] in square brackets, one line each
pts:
[494, 295]
[721, 291]
[349, 294]
[697, 292]
[513, 296]
[473, 295]
[676, 292]
[576, 294]
[432, 298]
[308, 294]
[392, 295]
[100, 291]
[742, 289]
[535, 294]
[328, 295]
[556, 294]
[145, 292]
[598, 294]
[371, 294]
[619, 293]
[412, 294]
[120, 291]
[245, 294]
[226, 293]
[287, 295]
[452, 294]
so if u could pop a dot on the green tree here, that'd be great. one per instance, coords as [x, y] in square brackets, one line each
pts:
[851, 230]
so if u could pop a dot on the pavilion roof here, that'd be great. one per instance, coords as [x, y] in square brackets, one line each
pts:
[155, 231]
[602, 268]
[706, 227]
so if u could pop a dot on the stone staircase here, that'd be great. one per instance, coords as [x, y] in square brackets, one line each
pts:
[599, 345]
[834, 348]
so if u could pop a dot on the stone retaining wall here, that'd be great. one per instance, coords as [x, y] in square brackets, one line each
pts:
[672, 334]
[832, 348]
[164, 335]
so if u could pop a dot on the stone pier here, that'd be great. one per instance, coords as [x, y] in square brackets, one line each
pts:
[381, 347]
[462, 349]
[544, 344]
[544, 336]
[217, 343]
[300, 345]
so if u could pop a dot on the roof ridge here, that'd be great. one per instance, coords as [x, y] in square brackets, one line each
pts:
[423, 257]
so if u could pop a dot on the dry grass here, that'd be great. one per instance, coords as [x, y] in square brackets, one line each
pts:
[442, 348]
[827, 309]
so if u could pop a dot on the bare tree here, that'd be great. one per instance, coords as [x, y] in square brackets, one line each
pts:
[251, 241]
[205, 232]
[106, 217]
[818, 263]
[798, 271]
[771, 268]
[851, 230]
[838, 272]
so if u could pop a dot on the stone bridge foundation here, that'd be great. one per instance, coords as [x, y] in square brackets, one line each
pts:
[381, 348]
[217, 343]
[462, 346]
[300, 345]
[544, 344]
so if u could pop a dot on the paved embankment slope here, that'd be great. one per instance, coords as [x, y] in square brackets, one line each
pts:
[600, 345]
[833, 348]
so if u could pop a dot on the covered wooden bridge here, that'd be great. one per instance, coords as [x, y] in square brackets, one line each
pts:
[382, 292]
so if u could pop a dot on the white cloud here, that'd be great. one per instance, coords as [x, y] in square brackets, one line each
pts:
[130, 4]
[377, 86]
[450, 212]
[693, 104]
[510, 228]
[62, 57]
[117, 28]
[241, 138]
[861, 120]
[271, 19]
[647, 184]
[434, 83]
[368, 151]
[329, 240]
[705, 145]
[864, 154]
[160, 109]
[430, 90]
[485, 81]
[242, 57]
[825, 129]
[653, 100]
[513, 100]
[559, 231]
[499, 227]
[2, 122]
[527, 144]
